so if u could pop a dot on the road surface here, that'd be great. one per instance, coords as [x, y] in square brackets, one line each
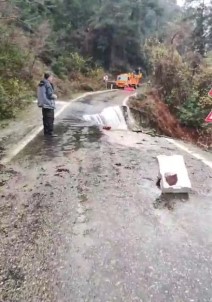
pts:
[81, 218]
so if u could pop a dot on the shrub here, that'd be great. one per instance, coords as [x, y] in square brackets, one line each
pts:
[185, 91]
[11, 60]
[12, 95]
[13, 89]
[71, 64]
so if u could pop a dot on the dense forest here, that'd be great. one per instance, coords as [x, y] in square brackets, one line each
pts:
[110, 34]
[81, 39]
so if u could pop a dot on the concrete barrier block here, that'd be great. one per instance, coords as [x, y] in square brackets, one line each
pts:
[173, 174]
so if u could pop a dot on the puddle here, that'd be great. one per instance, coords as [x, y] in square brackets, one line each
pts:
[75, 130]
[73, 134]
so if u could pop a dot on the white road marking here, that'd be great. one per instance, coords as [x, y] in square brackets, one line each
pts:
[24, 142]
[194, 154]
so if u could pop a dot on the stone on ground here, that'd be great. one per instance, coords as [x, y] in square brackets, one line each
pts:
[173, 174]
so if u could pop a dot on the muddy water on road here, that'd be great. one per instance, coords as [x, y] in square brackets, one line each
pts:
[72, 135]
[82, 220]
[74, 130]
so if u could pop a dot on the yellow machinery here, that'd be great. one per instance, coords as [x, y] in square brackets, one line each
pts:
[128, 80]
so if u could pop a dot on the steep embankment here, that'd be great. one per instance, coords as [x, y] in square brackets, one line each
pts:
[150, 111]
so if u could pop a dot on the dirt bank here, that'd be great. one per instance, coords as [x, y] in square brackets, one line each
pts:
[150, 111]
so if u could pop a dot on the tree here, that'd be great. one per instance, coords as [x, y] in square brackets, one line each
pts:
[200, 16]
[119, 41]
[112, 32]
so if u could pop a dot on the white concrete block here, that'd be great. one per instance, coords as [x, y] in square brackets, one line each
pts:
[173, 165]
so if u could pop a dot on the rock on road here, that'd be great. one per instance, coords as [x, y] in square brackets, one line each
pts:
[81, 219]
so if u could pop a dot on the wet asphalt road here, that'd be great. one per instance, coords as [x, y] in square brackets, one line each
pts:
[81, 219]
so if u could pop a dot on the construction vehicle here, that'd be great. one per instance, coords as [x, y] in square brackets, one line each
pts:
[129, 79]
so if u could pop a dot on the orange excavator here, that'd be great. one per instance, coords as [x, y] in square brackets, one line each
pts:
[129, 79]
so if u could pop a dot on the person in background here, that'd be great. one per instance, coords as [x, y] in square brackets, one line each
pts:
[46, 101]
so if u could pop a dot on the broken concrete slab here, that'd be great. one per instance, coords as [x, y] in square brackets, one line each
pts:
[173, 174]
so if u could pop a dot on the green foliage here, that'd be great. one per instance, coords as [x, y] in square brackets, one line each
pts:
[11, 60]
[199, 14]
[71, 64]
[12, 88]
[12, 94]
[33, 13]
[111, 32]
[183, 90]
[190, 113]
[119, 40]
[75, 37]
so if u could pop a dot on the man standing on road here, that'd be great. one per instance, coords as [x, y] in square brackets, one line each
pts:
[46, 101]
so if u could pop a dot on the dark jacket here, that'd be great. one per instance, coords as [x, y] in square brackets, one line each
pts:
[45, 95]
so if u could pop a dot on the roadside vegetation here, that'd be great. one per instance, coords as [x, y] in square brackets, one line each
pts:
[80, 40]
[180, 72]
